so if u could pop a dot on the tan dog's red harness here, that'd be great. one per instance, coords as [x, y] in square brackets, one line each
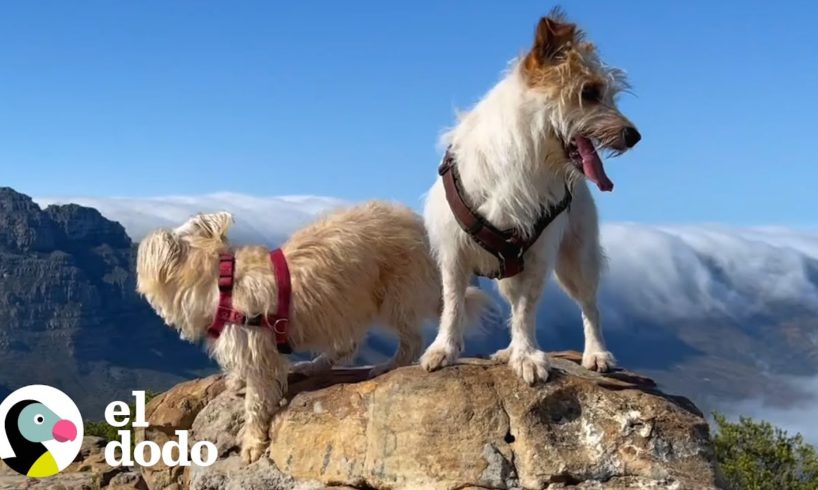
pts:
[278, 323]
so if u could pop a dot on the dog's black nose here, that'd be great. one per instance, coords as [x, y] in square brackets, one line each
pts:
[631, 136]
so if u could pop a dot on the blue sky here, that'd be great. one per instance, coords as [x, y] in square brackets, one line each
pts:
[347, 99]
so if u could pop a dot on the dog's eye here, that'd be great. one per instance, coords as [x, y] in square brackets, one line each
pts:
[591, 93]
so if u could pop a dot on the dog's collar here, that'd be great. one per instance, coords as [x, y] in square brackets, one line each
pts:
[278, 322]
[508, 246]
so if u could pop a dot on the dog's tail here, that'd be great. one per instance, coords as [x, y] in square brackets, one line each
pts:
[478, 307]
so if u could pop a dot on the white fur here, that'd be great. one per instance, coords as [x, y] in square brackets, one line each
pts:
[500, 148]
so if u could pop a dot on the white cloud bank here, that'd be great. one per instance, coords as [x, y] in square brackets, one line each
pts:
[660, 272]
[707, 270]
[799, 417]
[266, 220]
[682, 271]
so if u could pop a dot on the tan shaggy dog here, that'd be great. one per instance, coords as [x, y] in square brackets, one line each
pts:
[352, 268]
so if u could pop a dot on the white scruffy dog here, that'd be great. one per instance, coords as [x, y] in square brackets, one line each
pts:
[352, 268]
[533, 136]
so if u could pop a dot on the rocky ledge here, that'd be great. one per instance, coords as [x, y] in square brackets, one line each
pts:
[470, 426]
[474, 425]
[88, 472]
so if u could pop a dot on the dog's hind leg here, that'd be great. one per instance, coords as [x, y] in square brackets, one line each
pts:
[325, 361]
[321, 364]
[410, 343]
[579, 264]
[577, 273]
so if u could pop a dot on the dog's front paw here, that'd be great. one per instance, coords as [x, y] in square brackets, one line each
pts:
[601, 361]
[234, 383]
[439, 355]
[251, 449]
[502, 356]
[531, 365]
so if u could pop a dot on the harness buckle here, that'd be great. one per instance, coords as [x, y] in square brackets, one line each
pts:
[517, 255]
[517, 261]
[255, 321]
[280, 330]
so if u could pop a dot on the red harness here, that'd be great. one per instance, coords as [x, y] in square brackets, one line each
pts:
[278, 323]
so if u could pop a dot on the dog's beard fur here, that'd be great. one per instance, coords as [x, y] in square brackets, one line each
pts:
[176, 272]
[579, 91]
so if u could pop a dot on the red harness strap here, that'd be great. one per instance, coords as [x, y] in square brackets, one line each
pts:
[278, 322]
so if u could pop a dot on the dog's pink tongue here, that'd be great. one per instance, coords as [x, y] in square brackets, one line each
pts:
[592, 164]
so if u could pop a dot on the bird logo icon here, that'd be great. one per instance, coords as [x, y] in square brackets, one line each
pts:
[41, 431]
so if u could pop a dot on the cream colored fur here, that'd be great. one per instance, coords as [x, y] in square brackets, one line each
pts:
[512, 161]
[355, 267]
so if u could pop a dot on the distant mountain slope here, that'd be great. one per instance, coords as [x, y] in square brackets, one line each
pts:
[715, 360]
[69, 315]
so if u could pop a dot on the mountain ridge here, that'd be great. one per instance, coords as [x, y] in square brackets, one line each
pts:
[69, 310]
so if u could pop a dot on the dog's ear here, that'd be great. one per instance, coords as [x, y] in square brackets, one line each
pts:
[158, 259]
[214, 226]
[553, 35]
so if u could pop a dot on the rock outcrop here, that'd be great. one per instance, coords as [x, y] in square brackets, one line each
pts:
[88, 472]
[473, 425]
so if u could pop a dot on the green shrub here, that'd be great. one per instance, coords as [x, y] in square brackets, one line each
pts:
[755, 455]
[108, 432]
[101, 429]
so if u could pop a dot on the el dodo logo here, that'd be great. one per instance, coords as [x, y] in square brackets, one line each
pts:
[148, 453]
[42, 434]
[41, 431]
